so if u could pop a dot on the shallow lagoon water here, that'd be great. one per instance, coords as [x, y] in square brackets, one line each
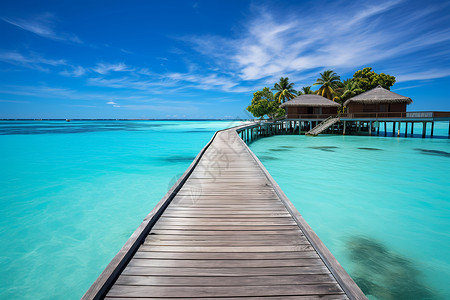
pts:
[71, 194]
[380, 204]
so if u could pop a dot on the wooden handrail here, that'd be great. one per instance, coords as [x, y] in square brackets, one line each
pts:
[377, 115]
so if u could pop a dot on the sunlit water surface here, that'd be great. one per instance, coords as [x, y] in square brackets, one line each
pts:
[380, 204]
[71, 194]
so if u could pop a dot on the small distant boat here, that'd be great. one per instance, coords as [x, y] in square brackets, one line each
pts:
[67, 120]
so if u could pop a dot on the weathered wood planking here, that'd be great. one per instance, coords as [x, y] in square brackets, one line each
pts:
[225, 230]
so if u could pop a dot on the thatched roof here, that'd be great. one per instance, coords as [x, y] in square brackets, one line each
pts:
[378, 95]
[310, 100]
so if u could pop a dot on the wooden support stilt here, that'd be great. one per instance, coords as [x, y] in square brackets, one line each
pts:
[393, 128]
[385, 128]
[345, 125]
[398, 130]
[424, 130]
[406, 129]
[370, 128]
[432, 128]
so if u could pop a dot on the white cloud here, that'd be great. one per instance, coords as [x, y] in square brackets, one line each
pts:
[342, 37]
[42, 25]
[114, 104]
[424, 75]
[76, 71]
[32, 62]
[106, 68]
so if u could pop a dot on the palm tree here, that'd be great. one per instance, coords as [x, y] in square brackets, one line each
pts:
[284, 90]
[349, 89]
[306, 90]
[329, 81]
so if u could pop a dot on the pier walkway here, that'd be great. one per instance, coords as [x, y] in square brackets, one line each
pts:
[225, 230]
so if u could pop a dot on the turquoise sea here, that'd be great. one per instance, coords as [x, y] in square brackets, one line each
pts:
[71, 194]
[380, 204]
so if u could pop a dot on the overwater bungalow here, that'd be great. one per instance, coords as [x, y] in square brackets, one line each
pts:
[310, 105]
[378, 100]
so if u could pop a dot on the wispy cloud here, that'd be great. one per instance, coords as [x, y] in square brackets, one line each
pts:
[106, 68]
[14, 101]
[44, 26]
[424, 75]
[76, 71]
[356, 35]
[33, 61]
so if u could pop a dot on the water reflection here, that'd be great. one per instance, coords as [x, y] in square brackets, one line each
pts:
[178, 159]
[279, 149]
[267, 157]
[82, 127]
[198, 131]
[324, 148]
[433, 152]
[384, 274]
[368, 148]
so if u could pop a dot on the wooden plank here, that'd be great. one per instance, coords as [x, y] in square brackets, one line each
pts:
[228, 255]
[225, 249]
[234, 291]
[229, 215]
[298, 297]
[239, 272]
[234, 243]
[228, 221]
[198, 207]
[228, 238]
[244, 197]
[226, 232]
[224, 263]
[225, 281]
[225, 227]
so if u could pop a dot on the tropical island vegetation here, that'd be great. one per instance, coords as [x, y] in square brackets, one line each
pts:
[330, 86]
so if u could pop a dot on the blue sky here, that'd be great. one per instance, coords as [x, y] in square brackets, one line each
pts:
[204, 59]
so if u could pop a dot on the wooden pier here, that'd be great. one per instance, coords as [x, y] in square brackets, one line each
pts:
[400, 123]
[225, 230]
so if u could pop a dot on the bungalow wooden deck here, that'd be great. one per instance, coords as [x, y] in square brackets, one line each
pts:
[225, 230]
